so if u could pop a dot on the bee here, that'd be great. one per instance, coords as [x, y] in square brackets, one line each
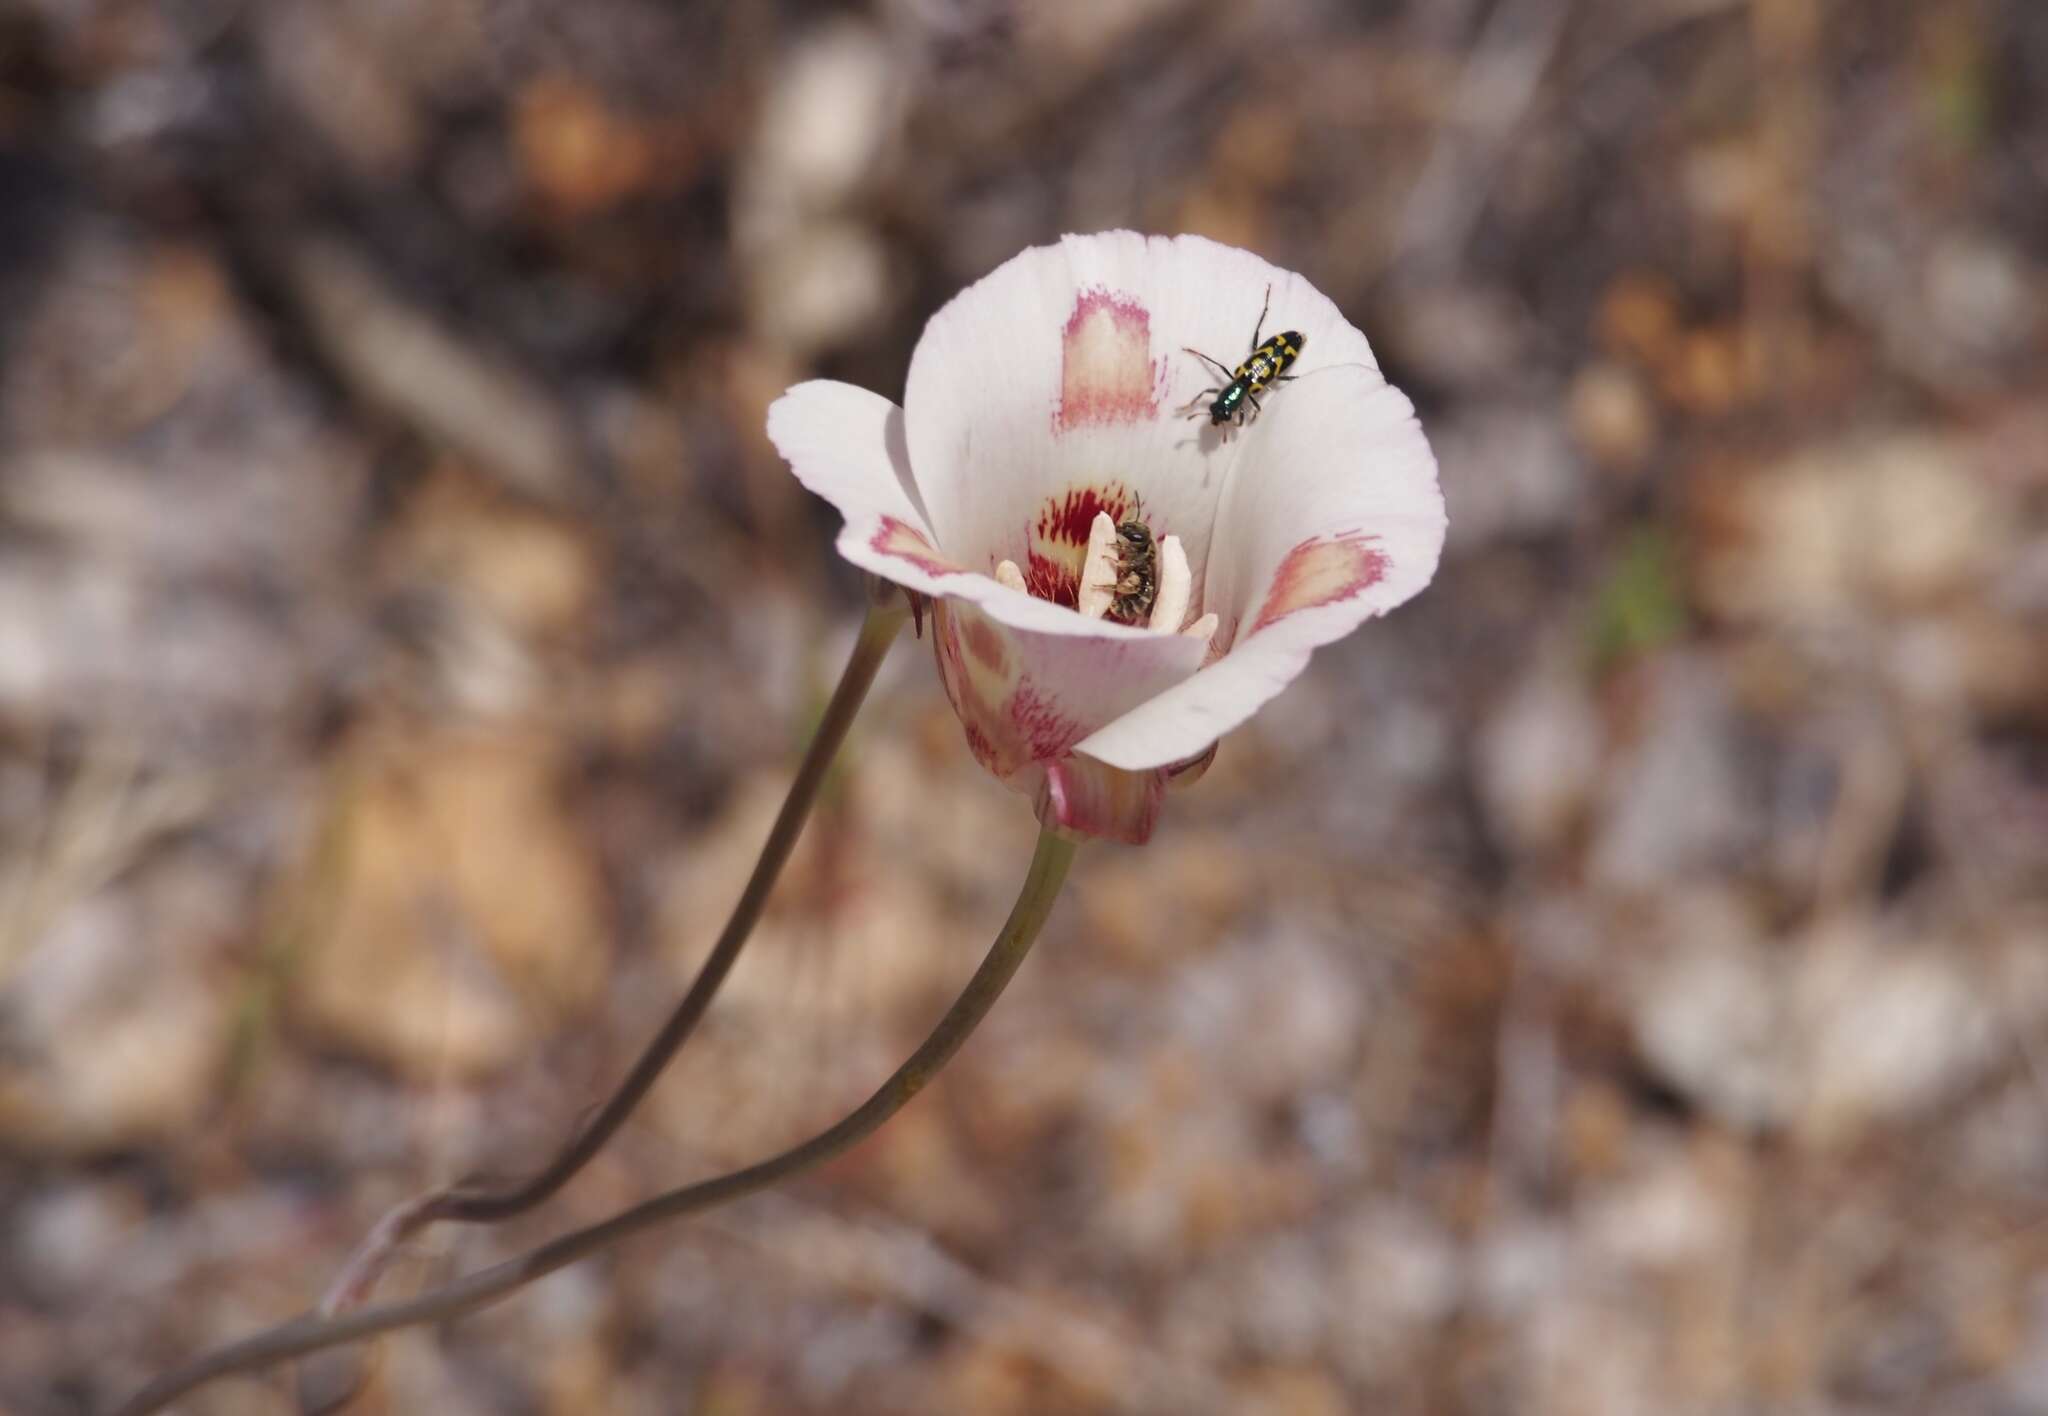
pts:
[1266, 364]
[1137, 572]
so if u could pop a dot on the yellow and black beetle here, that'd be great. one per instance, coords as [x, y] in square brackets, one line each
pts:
[1266, 364]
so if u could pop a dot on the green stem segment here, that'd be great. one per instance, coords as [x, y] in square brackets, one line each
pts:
[474, 1203]
[1042, 884]
[482, 1205]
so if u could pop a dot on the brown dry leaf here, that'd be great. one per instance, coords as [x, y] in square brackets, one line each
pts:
[1153, 910]
[1875, 522]
[917, 1165]
[537, 572]
[186, 306]
[1290, 1391]
[467, 916]
[1611, 416]
[1595, 1128]
[1258, 145]
[733, 1388]
[1639, 318]
[836, 898]
[1704, 374]
[1000, 1379]
[579, 1376]
[1228, 212]
[579, 154]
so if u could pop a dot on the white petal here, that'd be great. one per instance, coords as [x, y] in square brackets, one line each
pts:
[1333, 516]
[846, 445]
[1203, 629]
[1009, 577]
[1025, 699]
[1049, 391]
[1098, 569]
[1175, 584]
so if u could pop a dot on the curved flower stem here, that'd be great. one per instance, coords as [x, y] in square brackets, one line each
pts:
[477, 1203]
[312, 1333]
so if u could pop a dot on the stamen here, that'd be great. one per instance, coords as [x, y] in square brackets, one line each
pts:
[1175, 583]
[1008, 575]
[1098, 569]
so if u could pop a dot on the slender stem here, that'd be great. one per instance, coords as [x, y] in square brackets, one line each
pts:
[312, 1333]
[476, 1203]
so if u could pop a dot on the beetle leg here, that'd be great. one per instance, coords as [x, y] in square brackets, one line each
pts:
[1259, 328]
[1210, 362]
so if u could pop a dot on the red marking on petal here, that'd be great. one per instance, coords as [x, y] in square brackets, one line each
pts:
[991, 737]
[1050, 580]
[1321, 572]
[987, 646]
[1047, 732]
[1059, 538]
[946, 653]
[1107, 373]
[977, 743]
[905, 542]
[1068, 520]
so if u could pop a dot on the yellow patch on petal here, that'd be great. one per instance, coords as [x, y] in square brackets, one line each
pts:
[1059, 537]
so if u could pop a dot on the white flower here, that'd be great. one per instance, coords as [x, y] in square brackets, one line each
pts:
[1050, 402]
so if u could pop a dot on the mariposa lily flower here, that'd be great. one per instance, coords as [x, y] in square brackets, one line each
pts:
[1046, 442]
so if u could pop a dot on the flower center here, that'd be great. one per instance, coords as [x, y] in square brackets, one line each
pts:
[1058, 541]
[1092, 550]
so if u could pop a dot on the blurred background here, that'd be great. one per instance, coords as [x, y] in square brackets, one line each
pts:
[1614, 983]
